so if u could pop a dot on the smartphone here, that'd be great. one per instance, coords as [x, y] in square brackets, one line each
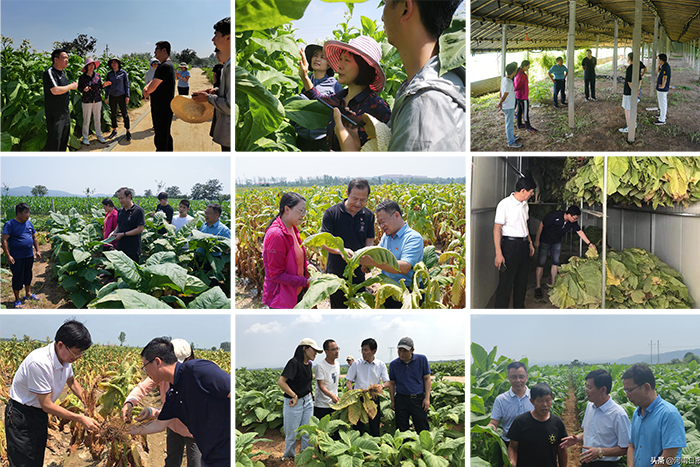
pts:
[503, 267]
[333, 103]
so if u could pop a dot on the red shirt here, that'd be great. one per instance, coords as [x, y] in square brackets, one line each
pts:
[109, 225]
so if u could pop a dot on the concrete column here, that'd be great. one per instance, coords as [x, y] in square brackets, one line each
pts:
[636, 41]
[597, 44]
[503, 51]
[668, 46]
[662, 42]
[615, 60]
[653, 55]
[571, 59]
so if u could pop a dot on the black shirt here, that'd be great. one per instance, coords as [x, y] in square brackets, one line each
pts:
[589, 67]
[555, 227]
[354, 230]
[298, 377]
[538, 442]
[168, 210]
[164, 93]
[128, 220]
[628, 78]
[55, 105]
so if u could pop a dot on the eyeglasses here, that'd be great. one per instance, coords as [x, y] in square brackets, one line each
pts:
[627, 391]
[73, 354]
[143, 368]
[517, 377]
[334, 350]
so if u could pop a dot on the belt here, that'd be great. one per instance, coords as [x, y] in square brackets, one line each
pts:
[516, 239]
[412, 396]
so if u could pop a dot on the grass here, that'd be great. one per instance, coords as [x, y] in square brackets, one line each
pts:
[484, 102]
[685, 88]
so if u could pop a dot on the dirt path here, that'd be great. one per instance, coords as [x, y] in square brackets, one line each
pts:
[186, 136]
[572, 425]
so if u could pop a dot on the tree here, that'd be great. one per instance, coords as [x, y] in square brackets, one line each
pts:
[39, 190]
[148, 193]
[675, 361]
[225, 346]
[122, 338]
[5, 189]
[213, 348]
[173, 191]
[689, 357]
[81, 45]
[188, 56]
[209, 190]
[159, 186]
[89, 191]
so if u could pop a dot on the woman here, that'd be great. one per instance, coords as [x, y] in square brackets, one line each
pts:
[298, 405]
[110, 223]
[522, 96]
[183, 80]
[90, 84]
[325, 84]
[358, 68]
[118, 92]
[283, 256]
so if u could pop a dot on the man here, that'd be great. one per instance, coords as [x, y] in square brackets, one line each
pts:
[409, 387]
[606, 427]
[405, 243]
[18, 241]
[183, 218]
[327, 373]
[429, 112]
[511, 239]
[558, 74]
[36, 386]
[589, 62]
[56, 101]
[212, 224]
[161, 91]
[535, 436]
[550, 232]
[130, 224]
[220, 97]
[657, 426]
[514, 402]
[507, 104]
[164, 207]
[365, 373]
[663, 82]
[354, 223]
[627, 91]
[199, 395]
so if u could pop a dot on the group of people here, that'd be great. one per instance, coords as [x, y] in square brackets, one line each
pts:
[429, 111]
[407, 379]
[159, 88]
[284, 257]
[195, 399]
[537, 438]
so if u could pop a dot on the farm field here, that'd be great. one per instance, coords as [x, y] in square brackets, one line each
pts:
[437, 212]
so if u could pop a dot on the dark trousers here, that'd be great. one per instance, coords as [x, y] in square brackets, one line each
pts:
[523, 112]
[120, 101]
[162, 119]
[559, 85]
[58, 129]
[589, 82]
[514, 278]
[26, 429]
[133, 256]
[320, 412]
[22, 272]
[183, 90]
[176, 444]
[407, 406]
[601, 464]
[312, 144]
[338, 298]
[373, 426]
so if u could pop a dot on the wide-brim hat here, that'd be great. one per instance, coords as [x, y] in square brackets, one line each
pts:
[154, 60]
[190, 111]
[114, 59]
[89, 61]
[309, 51]
[365, 47]
[378, 138]
[311, 343]
[183, 65]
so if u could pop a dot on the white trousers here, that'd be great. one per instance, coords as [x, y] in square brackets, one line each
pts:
[93, 109]
[662, 98]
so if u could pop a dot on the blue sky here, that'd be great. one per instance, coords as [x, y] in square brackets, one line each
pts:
[108, 173]
[269, 340]
[205, 331]
[126, 25]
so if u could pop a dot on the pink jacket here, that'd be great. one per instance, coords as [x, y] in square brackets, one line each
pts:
[522, 87]
[143, 389]
[109, 226]
[281, 278]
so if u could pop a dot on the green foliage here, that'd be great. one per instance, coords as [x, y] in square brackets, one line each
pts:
[244, 449]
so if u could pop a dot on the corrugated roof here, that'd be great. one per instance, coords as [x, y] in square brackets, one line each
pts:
[543, 24]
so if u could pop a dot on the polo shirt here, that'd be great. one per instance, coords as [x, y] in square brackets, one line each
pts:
[199, 397]
[507, 86]
[627, 91]
[164, 93]
[660, 428]
[559, 71]
[555, 227]
[507, 406]
[21, 241]
[364, 374]
[128, 220]
[55, 105]
[588, 65]
[406, 245]
[409, 376]
[330, 375]
[664, 71]
[606, 426]
[354, 230]
[40, 373]
[512, 215]
[217, 228]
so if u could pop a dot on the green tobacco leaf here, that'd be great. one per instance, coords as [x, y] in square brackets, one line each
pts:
[264, 14]
[128, 299]
[80, 255]
[166, 275]
[320, 289]
[326, 238]
[377, 253]
[211, 299]
[80, 298]
[125, 267]
[266, 109]
[309, 114]
[453, 51]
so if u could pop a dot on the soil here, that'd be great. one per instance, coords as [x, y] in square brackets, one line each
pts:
[573, 427]
[186, 136]
[598, 122]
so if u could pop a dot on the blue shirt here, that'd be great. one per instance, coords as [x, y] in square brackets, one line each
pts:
[326, 86]
[409, 376]
[660, 428]
[507, 406]
[217, 229]
[664, 71]
[21, 241]
[559, 71]
[199, 397]
[606, 426]
[406, 245]
[181, 82]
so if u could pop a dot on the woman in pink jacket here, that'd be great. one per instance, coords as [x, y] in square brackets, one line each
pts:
[110, 224]
[283, 256]
[522, 96]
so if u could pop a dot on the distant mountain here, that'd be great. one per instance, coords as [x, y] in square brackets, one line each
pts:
[27, 191]
[665, 357]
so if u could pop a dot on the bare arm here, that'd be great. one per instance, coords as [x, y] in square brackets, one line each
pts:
[282, 383]
[427, 383]
[155, 426]
[392, 393]
[497, 244]
[6, 249]
[563, 458]
[513, 453]
[494, 423]
[58, 90]
[36, 245]
[51, 408]
[585, 239]
[322, 387]
[630, 455]
[75, 386]
[539, 232]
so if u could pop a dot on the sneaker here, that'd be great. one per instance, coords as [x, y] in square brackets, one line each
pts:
[538, 293]
[112, 134]
[101, 139]
[585, 99]
[593, 99]
[515, 145]
[516, 138]
[624, 130]
[85, 141]
[521, 126]
[556, 106]
[532, 130]
[565, 103]
[128, 135]
[659, 122]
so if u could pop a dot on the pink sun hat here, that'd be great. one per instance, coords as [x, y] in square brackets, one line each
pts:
[89, 61]
[365, 47]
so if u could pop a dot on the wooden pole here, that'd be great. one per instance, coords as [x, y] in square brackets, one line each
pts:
[503, 51]
[615, 60]
[636, 40]
[570, 59]
[654, 44]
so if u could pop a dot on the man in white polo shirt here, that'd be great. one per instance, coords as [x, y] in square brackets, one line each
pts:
[606, 426]
[327, 373]
[36, 386]
[511, 237]
[364, 373]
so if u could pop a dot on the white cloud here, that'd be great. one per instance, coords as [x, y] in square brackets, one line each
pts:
[400, 323]
[309, 318]
[378, 318]
[268, 328]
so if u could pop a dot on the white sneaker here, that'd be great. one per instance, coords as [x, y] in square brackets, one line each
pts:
[624, 130]
[101, 139]
[85, 141]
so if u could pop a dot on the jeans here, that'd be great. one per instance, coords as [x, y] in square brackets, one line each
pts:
[559, 87]
[94, 110]
[662, 97]
[175, 444]
[510, 116]
[545, 248]
[293, 418]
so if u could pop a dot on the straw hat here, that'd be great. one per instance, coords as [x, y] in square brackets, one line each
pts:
[89, 61]
[365, 47]
[378, 133]
[190, 111]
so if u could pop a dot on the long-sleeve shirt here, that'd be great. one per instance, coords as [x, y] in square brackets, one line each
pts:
[120, 84]
[326, 86]
[110, 226]
[143, 389]
[222, 108]
[522, 86]
[95, 92]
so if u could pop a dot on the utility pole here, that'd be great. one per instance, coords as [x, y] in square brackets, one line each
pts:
[658, 352]
[391, 353]
[651, 352]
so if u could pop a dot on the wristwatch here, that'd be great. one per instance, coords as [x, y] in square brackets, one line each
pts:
[600, 453]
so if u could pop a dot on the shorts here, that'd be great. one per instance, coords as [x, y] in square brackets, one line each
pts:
[545, 249]
[626, 102]
[22, 272]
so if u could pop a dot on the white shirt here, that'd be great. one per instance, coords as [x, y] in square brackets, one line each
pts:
[329, 374]
[507, 86]
[606, 426]
[40, 373]
[513, 215]
[365, 374]
[507, 406]
[178, 221]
